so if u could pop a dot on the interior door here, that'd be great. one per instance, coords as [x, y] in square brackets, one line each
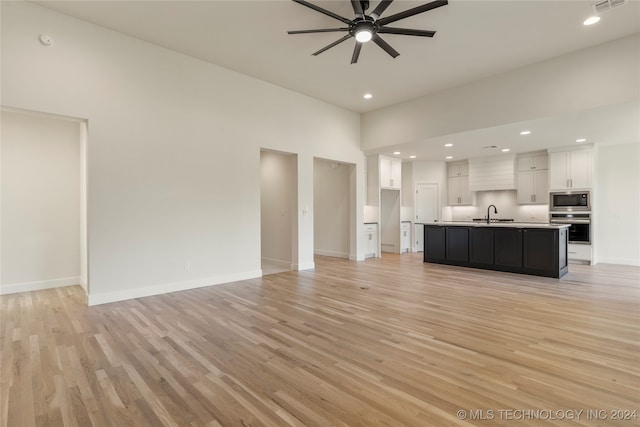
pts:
[427, 210]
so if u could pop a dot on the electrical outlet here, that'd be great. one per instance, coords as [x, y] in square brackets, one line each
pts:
[187, 265]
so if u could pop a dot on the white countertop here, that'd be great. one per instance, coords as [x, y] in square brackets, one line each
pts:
[501, 224]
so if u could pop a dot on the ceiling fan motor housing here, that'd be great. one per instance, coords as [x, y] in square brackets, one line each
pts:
[365, 23]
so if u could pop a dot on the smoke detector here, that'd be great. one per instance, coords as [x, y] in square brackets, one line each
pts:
[606, 5]
[46, 40]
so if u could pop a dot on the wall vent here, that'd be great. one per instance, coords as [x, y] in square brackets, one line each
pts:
[606, 5]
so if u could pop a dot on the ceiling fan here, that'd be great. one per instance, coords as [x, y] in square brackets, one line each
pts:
[369, 27]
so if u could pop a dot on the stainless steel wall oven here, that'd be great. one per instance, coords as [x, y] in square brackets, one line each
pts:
[580, 225]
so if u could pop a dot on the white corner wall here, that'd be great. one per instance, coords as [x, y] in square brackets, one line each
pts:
[617, 204]
[331, 204]
[173, 191]
[40, 202]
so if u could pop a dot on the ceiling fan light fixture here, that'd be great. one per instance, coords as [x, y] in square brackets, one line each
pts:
[364, 36]
[363, 31]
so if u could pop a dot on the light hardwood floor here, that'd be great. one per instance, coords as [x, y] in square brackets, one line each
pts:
[384, 342]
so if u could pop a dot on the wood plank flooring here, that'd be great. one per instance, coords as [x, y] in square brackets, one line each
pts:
[384, 342]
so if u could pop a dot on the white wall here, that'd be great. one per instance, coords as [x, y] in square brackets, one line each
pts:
[408, 195]
[40, 202]
[278, 208]
[558, 86]
[174, 152]
[617, 204]
[331, 204]
[84, 256]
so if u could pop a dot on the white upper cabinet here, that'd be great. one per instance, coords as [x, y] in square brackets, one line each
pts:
[535, 162]
[460, 169]
[458, 185]
[390, 173]
[459, 193]
[533, 187]
[533, 179]
[570, 170]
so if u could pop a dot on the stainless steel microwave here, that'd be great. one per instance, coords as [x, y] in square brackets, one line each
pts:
[570, 201]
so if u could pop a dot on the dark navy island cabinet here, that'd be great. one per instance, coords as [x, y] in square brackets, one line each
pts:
[540, 251]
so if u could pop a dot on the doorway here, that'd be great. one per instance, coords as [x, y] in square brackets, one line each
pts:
[390, 221]
[278, 208]
[44, 216]
[333, 208]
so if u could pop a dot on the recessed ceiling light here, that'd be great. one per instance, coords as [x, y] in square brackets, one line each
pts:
[581, 140]
[591, 20]
[504, 150]
[525, 132]
[449, 157]
[396, 152]
[448, 145]
[412, 157]
[367, 96]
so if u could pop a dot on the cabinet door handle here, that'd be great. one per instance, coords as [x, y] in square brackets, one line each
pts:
[370, 236]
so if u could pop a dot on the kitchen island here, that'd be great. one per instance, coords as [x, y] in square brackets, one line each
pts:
[527, 248]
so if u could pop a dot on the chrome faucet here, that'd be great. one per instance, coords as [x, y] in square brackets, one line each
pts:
[495, 211]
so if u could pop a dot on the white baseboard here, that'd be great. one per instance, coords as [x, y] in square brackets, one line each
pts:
[622, 261]
[279, 262]
[306, 266]
[360, 257]
[39, 285]
[107, 297]
[334, 254]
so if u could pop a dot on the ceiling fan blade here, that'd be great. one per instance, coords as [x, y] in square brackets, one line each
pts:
[384, 45]
[324, 11]
[357, 7]
[379, 10]
[321, 30]
[356, 52]
[407, 32]
[411, 12]
[348, 36]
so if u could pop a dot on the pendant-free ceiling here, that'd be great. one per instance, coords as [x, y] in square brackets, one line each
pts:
[368, 27]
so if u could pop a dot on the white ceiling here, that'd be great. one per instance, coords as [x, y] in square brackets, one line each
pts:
[475, 39]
